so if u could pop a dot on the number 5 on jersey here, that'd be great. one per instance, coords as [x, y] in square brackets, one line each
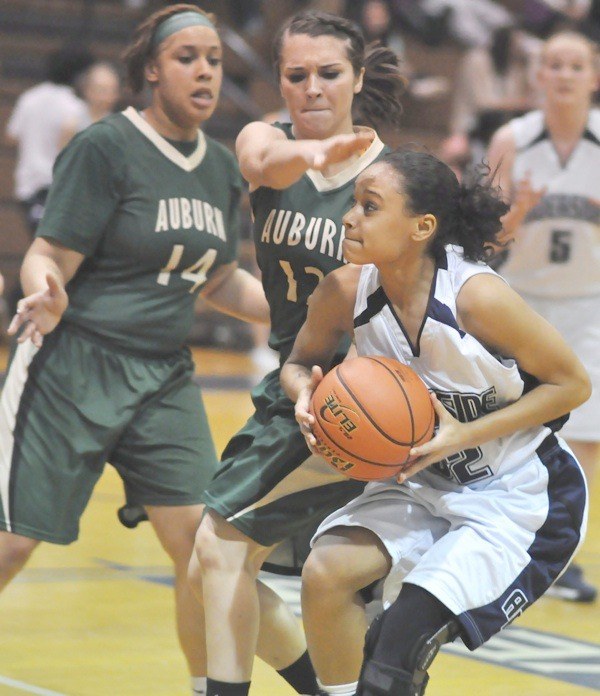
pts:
[196, 273]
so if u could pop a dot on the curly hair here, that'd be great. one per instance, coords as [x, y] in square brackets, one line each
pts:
[468, 214]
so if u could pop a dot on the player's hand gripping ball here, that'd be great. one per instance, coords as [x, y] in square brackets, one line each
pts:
[369, 413]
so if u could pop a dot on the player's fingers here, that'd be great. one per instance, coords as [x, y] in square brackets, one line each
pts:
[413, 469]
[26, 333]
[15, 324]
[37, 339]
[440, 410]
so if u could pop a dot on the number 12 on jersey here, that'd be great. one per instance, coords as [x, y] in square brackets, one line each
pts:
[196, 273]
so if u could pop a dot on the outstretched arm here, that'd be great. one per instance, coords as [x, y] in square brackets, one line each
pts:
[268, 158]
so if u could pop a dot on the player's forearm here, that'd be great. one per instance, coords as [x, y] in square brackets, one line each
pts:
[294, 379]
[284, 162]
[242, 296]
[541, 405]
[35, 267]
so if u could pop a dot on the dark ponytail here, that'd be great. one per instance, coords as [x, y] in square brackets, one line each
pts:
[468, 214]
[378, 102]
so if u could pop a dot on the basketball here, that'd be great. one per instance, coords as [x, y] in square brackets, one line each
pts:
[369, 412]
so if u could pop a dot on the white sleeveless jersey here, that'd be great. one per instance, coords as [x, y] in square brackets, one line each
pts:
[464, 375]
[557, 250]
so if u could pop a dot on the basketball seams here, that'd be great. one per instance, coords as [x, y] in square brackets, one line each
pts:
[412, 419]
[344, 450]
[379, 415]
[365, 412]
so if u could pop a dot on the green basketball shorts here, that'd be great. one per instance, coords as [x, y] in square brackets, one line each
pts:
[77, 403]
[269, 485]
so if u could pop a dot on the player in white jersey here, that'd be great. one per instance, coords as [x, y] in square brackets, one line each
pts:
[491, 510]
[548, 163]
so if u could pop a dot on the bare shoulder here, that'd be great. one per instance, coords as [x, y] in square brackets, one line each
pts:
[335, 296]
[484, 291]
[342, 282]
[484, 298]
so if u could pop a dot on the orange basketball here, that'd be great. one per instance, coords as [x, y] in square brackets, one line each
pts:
[369, 412]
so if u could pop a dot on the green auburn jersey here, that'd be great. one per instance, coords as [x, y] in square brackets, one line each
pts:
[298, 234]
[154, 219]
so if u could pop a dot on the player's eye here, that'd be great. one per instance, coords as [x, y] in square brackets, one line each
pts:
[214, 61]
[330, 74]
[296, 77]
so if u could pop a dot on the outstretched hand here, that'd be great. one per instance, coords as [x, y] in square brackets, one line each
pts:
[448, 440]
[305, 419]
[340, 147]
[40, 313]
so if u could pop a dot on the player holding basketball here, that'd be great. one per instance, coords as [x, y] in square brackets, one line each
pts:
[142, 216]
[494, 507]
[302, 178]
[554, 262]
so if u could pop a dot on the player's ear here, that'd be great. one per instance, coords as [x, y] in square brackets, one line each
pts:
[425, 227]
[358, 83]
[151, 72]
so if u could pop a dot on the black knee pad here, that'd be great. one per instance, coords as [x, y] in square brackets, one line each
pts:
[428, 647]
[377, 679]
[372, 636]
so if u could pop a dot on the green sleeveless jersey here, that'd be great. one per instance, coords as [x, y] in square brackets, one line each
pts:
[154, 220]
[298, 234]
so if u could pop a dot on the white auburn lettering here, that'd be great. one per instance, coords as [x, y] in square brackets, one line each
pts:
[187, 214]
[281, 228]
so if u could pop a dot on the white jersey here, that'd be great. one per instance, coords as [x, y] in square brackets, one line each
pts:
[465, 376]
[557, 250]
[489, 529]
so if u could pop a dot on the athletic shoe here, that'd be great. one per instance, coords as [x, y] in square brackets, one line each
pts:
[572, 586]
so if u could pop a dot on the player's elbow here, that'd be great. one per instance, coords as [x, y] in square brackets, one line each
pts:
[581, 387]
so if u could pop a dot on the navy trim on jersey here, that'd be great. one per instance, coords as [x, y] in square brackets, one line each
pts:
[442, 313]
[530, 382]
[544, 135]
[553, 547]
[588, 135]
[375, 303]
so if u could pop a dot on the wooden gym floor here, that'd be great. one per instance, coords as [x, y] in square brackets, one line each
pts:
[96, 618]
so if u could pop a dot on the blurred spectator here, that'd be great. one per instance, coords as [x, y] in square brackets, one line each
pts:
[428, 24]
[44, 119]
[544, 17]
[378, 24]
[100, 88]
[492, 86]
[470, 22]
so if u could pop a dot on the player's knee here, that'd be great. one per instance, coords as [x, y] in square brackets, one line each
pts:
[221, 547]
[194, 576]
[207, 548]
[323, 578]
[15, 551]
